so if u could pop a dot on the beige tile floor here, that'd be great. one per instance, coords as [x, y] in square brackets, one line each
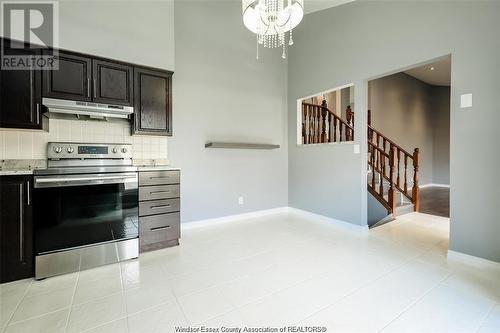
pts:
[272, 271]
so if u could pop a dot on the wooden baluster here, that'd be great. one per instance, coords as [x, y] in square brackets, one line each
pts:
[341, 124]
[406, 177]
[377, 156]
[324, 111]
[415, 192]
[373, 167]
[392, 191]
[381, 185]
[318, 124]
[311, 122]
[329, 127]
[303, 124]
[398, 158]
[350, 121]
[315, 125]
[334, 129]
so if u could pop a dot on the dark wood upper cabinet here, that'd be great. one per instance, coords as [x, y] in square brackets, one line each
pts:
[153, 102]
[16, 228]
[112, 82]
[71, 81]
[83, 78]
[20, 94]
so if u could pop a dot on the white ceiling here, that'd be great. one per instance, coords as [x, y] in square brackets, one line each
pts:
[311, 6]
[440, 76]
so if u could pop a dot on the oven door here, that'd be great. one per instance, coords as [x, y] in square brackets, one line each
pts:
[79, 210]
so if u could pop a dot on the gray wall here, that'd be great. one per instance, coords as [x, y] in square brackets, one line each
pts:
[221, 92]
[415, 115]
[440, 110]
[380, 38]
[400, 110]
[120, 30]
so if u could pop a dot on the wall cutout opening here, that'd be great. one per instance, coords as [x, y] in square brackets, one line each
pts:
[326, 117]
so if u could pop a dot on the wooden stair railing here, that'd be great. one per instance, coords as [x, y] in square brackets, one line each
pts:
[390, 162]
[321, 125]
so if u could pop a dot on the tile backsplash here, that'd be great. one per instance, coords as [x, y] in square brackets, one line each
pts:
[26, 144]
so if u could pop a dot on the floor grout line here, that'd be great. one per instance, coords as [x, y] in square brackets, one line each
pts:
[483, 320]
[72, 300]
[440, 282]
[17, 305]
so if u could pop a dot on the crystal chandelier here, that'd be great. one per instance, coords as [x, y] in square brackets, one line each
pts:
[270, 20]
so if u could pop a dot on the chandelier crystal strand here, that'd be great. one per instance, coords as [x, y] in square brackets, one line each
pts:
[270, 20]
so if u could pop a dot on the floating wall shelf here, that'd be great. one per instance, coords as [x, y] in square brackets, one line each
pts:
[238, 145]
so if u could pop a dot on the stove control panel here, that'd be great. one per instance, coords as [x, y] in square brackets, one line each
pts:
[70, 150]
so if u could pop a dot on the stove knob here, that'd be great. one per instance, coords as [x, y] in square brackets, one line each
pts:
[124, 150]
[57, 150]
[114, 150]
[70, 149]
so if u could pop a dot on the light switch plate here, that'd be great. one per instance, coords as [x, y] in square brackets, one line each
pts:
[466, 101]
[356, 149]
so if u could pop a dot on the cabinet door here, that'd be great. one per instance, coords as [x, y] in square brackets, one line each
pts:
[16, 228]
[112, 83]
[71, 81]
[20, 94]
[153, 102]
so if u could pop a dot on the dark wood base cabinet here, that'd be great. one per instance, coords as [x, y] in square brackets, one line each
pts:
[16, 228]
[159, 209]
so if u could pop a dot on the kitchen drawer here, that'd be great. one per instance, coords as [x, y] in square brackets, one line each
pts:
[159, 177]
[159, 192]
[159, 206]
[159, 228]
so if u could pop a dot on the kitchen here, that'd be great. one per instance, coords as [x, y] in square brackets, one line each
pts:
[97, 188]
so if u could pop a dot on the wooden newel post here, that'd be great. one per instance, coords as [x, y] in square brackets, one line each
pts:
[350, 121]
[415, 192]
[392, 190]
[369, 117]
[324, 111]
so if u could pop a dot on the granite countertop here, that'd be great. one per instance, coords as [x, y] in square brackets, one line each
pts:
[21, 167]
[26, 167]
[156, 168]
[16, 172]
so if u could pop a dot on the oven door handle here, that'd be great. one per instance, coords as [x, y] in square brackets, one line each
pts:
[83, 180]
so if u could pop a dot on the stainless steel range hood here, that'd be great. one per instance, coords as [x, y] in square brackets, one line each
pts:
[87, 109]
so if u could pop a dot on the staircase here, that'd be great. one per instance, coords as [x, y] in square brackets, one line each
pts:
[392, 171]
[390, 167]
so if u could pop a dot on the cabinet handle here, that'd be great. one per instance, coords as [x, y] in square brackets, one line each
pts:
[160, 206]
[95, 89]
[160, 228]
[158, 192]
[31, 95]
[21, 224]
[28, 196]
[37, 113]
[159, 177]
[88, 87]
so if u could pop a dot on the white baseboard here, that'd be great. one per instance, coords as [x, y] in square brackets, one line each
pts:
[232, 218]
[322, 218]
[468, 259]
[267, 212]
[434, 185]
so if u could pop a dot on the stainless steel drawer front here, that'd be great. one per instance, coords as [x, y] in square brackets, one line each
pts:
[159, 206]
[159, 177]
[159, 228]
[159, 192]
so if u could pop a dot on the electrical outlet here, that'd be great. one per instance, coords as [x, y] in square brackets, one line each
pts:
[241, 201]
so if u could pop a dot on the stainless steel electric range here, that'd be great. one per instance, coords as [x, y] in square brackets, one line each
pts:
[85, 208]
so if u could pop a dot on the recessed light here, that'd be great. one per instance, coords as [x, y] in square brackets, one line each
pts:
[432, 68]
